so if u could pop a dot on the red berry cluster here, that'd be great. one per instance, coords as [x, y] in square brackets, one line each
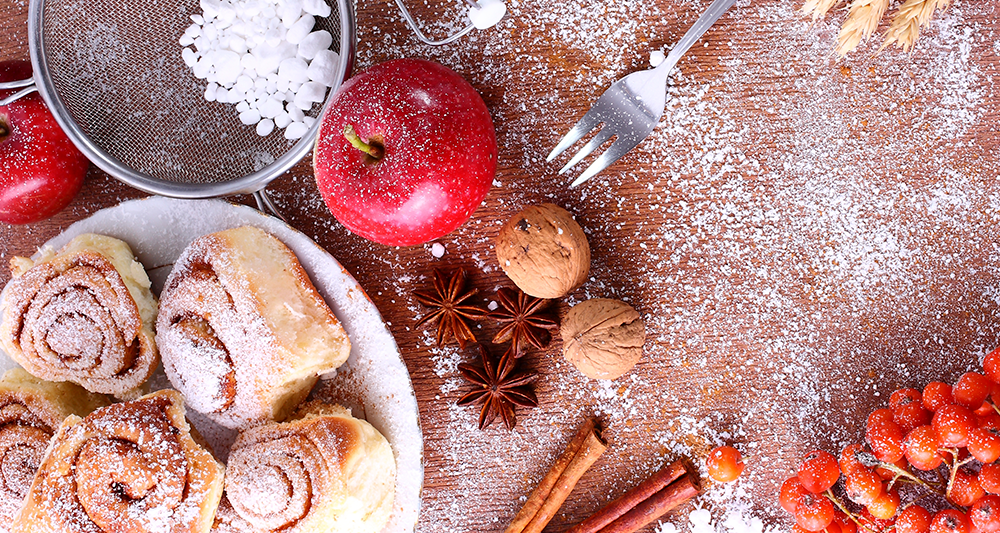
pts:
[932, 440]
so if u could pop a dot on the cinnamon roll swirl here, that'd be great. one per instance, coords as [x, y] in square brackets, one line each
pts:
[228, 521]
[84, 314]
[128, 467]
[322, 472]
[242, 331]
[30, 412]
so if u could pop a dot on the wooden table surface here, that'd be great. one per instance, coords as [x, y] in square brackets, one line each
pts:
[802, 235]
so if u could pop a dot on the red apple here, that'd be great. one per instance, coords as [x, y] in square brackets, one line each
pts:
[40, 169]
[406, 152]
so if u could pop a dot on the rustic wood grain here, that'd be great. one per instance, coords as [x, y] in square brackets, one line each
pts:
[883, 334]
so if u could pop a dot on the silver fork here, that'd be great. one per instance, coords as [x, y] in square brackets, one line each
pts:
[632, 107]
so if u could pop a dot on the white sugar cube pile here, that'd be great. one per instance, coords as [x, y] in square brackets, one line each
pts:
[264, 57]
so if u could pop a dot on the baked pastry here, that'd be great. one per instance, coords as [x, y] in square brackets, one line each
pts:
[242, 331]
[325, 472]
[228, 521]
[30, 413]
[84, 314]
[131, 466]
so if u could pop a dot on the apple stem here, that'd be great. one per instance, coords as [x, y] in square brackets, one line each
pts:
[4, 129]
[371, 149]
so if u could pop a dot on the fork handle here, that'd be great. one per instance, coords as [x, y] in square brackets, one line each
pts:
[705, 21]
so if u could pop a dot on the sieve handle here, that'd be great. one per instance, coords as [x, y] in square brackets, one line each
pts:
[18, 95]
[17, 84]
[29, 87]
[266, 205]
[420, 35]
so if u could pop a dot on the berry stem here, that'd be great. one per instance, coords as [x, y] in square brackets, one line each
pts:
[840, 505]
[901, 480]
[906, 475]
[943, 480]
[370, 148]
[915, 501]
[955, 465]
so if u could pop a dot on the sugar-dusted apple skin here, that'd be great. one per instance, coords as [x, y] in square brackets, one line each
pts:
[40, 168]
[433, 152]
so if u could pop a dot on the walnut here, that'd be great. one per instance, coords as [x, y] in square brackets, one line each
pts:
[544, 251]
[603, 338]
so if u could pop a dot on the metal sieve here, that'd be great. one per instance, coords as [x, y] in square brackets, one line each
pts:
[113, 76]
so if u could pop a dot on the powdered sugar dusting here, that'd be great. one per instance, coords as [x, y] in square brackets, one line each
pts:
[128, 465]
[783, 231]
[158, 230]
[801, 235]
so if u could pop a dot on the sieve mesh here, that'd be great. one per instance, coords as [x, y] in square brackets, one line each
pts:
[118, 72]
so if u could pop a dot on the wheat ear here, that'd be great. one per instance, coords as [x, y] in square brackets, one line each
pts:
[862, 21]
[912, 15]
[818, 8]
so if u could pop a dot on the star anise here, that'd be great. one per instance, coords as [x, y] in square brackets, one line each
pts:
[447, 301]
[523, 323]
[500, 387]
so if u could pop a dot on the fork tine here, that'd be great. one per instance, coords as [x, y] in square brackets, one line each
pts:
[613, 153]
[594, 143]
[581, 128]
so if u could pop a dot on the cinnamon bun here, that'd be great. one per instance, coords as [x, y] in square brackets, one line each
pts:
[30, 413]
[84, 314]
[323, 472]
[242, 331]
[128, 467]
[228, 521]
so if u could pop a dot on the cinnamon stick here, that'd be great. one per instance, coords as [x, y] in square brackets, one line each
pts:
[626, 502]
[552, 491]
[638, 507]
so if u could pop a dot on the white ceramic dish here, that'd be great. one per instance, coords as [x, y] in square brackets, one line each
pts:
[374, 381]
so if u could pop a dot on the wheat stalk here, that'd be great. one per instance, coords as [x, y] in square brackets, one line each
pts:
[818, 8]
[862, 21]
[911, 16]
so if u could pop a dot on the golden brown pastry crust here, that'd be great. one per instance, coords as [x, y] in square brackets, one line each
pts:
[322, 472]
[128, 467]
[30, 413]
[83, 315]
[242, 330]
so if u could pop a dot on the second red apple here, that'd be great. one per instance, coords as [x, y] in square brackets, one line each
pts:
[40, 169]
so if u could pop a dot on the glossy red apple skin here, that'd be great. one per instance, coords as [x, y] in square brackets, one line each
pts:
[440, 152]
[40, 169]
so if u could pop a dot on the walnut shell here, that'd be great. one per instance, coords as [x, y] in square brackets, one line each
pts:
[544, 251]
[603, 338]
